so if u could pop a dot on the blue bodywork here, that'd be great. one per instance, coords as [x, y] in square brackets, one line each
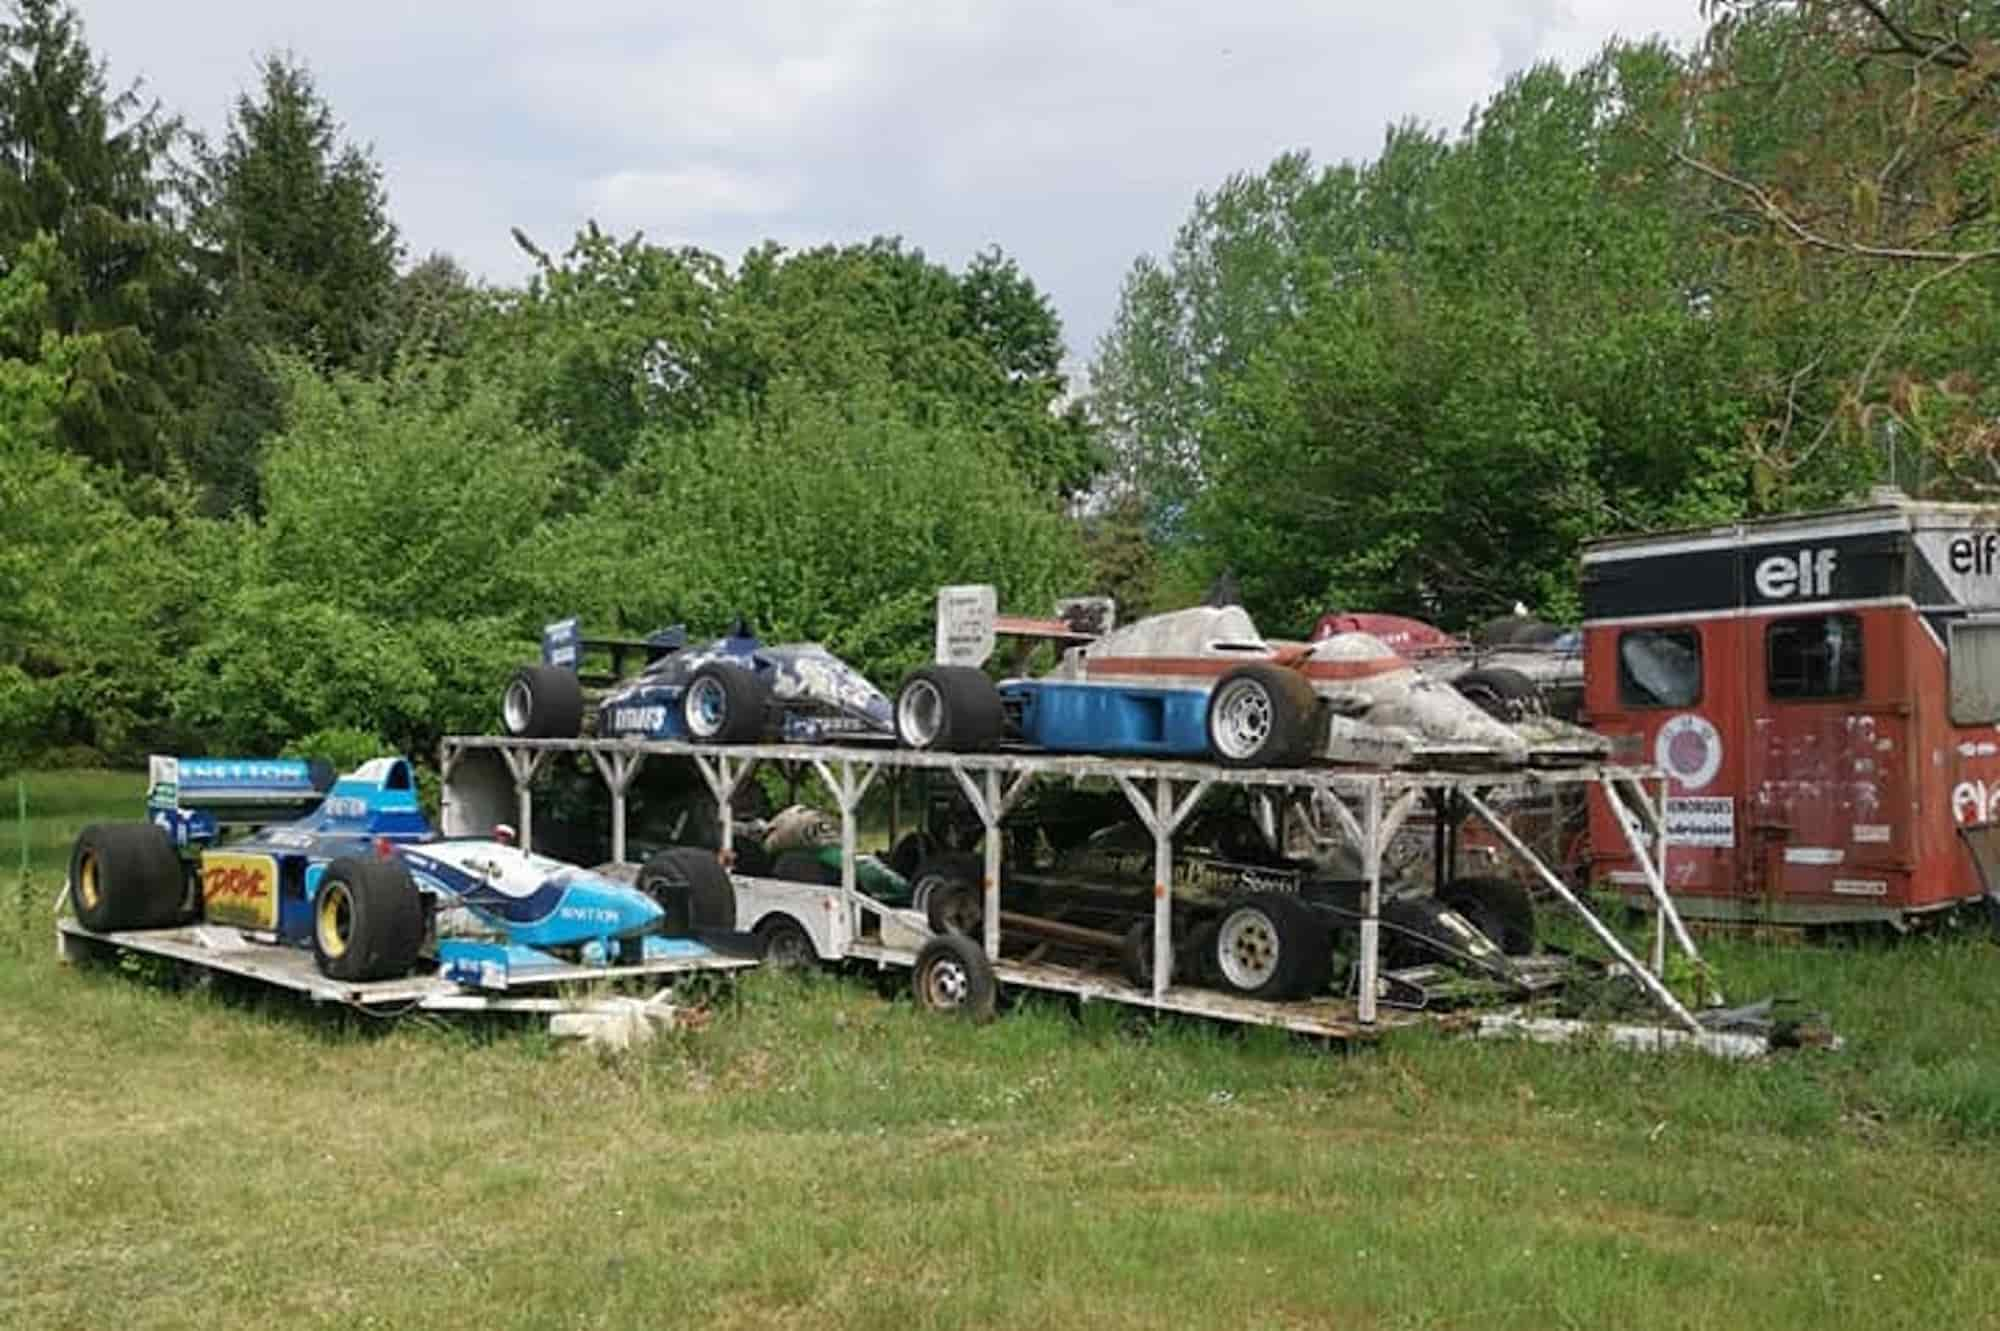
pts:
[1072, 717]
[267, 880]
[817, 696]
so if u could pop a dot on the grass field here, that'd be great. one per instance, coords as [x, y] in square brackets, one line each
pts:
[817, 1156]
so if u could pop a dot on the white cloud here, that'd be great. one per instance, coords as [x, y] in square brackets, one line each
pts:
[1072, 134]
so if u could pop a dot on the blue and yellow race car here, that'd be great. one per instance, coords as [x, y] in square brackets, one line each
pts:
[354, 870]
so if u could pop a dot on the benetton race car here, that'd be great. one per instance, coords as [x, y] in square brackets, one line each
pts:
[353, 869]
[732, 690]
[1204, 683]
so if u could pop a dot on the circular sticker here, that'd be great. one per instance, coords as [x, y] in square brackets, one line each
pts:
[1689, 750]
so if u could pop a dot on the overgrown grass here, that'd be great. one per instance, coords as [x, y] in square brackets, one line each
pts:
[817, 1156]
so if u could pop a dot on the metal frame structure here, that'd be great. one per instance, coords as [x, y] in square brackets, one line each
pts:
[1365, 806]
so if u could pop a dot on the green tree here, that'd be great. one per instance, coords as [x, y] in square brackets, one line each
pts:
[300, 256]
[84, 165]
[82, 645]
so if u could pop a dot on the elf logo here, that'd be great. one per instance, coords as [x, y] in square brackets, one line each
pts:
[1807, 574]
[1975, 553]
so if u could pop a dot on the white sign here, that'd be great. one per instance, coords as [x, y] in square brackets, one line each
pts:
[965, 618]
[1688, 749]
[1701, 820]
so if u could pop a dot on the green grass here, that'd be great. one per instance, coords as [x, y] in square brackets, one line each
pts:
[815, 1156]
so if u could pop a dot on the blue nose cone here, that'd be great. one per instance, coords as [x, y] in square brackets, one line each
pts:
[618, 911]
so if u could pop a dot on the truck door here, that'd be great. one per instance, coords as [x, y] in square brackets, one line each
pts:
[1827, 761]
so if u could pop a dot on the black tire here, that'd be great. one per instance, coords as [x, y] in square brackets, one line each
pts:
[1197, 954]
[784, 944]
[1135, 957]
[950, 709]
[952, 975]
[956, 907]
[942, 871]
[1271, 945]
[693, 889]
[805, 866]
[1500, 908]
[910, 851]
[368, 920]
[543, 702]
[1261, 716]
[1502, 693]
[126, 876]
[725, 704]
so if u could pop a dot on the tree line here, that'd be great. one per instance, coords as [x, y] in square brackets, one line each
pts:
[268, 480]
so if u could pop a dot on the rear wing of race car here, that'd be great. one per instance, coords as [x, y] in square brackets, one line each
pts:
[969, 624]
[194, 798]
[565, 647]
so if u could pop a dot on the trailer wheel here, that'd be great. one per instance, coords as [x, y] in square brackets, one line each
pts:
[724, 704]
[1270, 945]
[952, 709]
[783, 943]
[1500, 908]
[1261, 716]
[368, 920]
[1135, 957]
[1502, 693]
[543, 702]
[952, 975]
[126, 876]
[693, 889]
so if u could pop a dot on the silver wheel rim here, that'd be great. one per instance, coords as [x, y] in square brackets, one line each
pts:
[1246, 948]
[946, 983]
[919, 714]
[706, 708]
[1242, 719]
[516, 706]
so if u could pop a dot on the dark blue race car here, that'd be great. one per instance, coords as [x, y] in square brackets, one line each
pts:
[731, 690]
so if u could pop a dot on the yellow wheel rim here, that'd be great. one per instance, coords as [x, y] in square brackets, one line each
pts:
[335, 917]
[87, 892]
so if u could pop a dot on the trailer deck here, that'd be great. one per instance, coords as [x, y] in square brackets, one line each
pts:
[490, 779]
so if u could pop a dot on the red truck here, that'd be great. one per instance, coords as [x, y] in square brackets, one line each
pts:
[1823, 692]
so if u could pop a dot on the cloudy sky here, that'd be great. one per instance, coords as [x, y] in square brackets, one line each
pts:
[1074, 135]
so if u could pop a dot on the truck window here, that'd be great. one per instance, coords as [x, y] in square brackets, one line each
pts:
[1815, 656]
[1975, 671]
[1659, 667]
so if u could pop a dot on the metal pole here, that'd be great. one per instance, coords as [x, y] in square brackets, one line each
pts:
[1371, 919]
[1163, 885]
[990, 885]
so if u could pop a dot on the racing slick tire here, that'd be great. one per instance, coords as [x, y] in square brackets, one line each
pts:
[1135, 957]
[1261, 716]
[725, 704]
[953, 976]
[368, 920]
[941, 872]
[543, 702]
[805, 866]
[1271, 945]
[951, 709]
[126, 876]
[1500, 908]
[693, 889]
[956, 907]
[1502, 693]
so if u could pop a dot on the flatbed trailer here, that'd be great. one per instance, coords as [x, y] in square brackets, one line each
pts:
[573, 997]
[490, 779]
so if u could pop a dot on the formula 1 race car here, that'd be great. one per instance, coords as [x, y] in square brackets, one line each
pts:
[1515, 666]
[1250, 917]
[1204, 683]
[352, 869]
[734, 689]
